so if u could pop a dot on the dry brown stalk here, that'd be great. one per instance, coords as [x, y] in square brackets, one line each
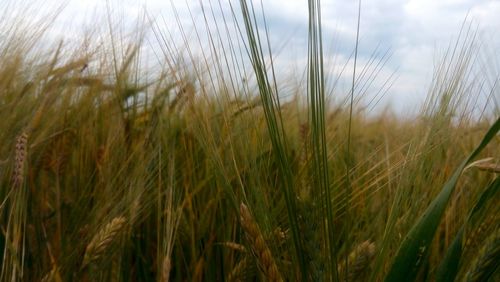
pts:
[101, 156]
[102, 240]
[359, 260]
[20, 159]
[57, 155]
[258, 245]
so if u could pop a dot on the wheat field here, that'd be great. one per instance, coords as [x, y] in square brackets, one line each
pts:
[113, 171]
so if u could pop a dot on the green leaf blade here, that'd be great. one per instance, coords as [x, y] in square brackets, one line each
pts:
[415, 246]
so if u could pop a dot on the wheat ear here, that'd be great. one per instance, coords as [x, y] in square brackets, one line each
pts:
[52, 276]
[237, 270]
[234, 246]
[478, 235]
[359, 259]
[102, 240]
[487, 164]
[258, 245]
[20, 159]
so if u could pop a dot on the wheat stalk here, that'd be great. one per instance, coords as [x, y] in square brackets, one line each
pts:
[165, 269]
[102, 240]
[258, 245]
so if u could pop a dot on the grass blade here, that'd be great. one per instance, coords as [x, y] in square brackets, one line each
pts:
[449, 267]
[415, 246]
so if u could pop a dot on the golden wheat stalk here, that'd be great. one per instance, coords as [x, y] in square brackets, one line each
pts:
[20, 159]
[359, 260]
[258, 245]
[165, 269]
[102, 240]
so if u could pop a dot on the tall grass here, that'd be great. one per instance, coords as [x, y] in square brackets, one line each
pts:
[113, 171]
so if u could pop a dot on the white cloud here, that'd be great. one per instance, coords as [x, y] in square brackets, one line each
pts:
[414, 30]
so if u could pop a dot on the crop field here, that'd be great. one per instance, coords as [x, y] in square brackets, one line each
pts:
[113, 170]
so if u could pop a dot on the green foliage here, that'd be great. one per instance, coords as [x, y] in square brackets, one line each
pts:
[414, 248]
[448, 269]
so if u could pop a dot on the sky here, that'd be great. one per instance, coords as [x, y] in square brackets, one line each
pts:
[408, 36]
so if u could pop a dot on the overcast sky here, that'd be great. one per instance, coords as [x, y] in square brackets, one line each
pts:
[413, 32]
